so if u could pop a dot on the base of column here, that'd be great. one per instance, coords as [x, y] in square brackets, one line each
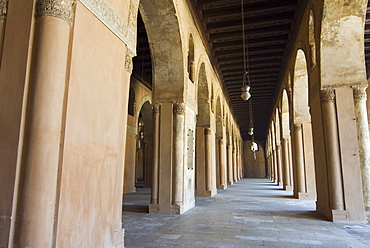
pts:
[280, 184]
[204, 193]
[221, 187]
[301, 195]
[156, 209]
[119, 238]
[339, 216]
[367, 216]
[230, 183]
[288, 188]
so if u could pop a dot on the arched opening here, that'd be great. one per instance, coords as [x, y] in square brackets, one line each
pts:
[205, 171]
[220, 148]
[304, 179]
[139, 137]
[143, 175]
[131, 102]
[191, 61]
[286, 142]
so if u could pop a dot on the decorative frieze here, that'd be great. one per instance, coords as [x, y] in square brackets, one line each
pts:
[61, 9]
[3, 9]
[110, 18]
[359, 93]
[327, 95]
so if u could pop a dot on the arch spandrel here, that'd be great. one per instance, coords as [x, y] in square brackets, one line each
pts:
[204, 108]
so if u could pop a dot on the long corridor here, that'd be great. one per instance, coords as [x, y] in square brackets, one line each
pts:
[250, 213]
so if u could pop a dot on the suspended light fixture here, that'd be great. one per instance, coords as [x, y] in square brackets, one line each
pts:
[246, 83]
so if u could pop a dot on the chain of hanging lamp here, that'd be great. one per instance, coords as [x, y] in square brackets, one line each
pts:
[246, 82]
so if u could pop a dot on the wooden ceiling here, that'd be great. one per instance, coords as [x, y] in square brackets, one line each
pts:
[270, 26]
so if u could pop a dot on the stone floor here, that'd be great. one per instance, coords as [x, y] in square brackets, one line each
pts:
[250, 213]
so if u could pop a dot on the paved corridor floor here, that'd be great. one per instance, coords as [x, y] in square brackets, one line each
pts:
[250, 213]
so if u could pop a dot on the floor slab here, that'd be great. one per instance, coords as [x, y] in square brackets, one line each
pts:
[249, 213]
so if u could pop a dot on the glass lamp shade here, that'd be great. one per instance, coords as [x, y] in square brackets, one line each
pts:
[254, 147]
[250, 132]
[245, 95]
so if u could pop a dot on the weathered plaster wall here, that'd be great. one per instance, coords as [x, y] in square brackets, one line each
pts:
[94, 136]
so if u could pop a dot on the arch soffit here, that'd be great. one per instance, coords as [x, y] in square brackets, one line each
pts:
[203, 91]
[342, 41]
[169, 61]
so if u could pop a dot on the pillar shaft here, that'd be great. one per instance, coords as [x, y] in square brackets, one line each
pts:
[299, 161]
[229, 165]
[154, 193]
[234, 166]
[208, 157]
[222, 160]
[178, 155]
[359, 94]
[279, 165]
[275, 166]
[286, 166]
[332, 149]
[39, 195]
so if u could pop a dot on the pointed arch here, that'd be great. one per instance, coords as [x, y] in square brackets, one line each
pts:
[300, 89]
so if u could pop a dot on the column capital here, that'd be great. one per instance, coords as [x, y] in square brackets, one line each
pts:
[179, 108]
[207, 131]
[3, 9]
[297, 127]
[327, 95]
[156, 109]
[61, 9]
[359, 93]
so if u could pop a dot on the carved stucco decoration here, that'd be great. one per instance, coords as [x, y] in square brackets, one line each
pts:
[3, 9]
[114, 22]
[57, 8]
[129, 65]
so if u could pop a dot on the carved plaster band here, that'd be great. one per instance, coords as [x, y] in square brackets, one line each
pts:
[3, 9]
[129, 65]
[61, 9]
[113, 21]
[179, 109]
[359, 93]
[327, 95]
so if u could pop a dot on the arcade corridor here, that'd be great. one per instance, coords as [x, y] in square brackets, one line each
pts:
[250, 213]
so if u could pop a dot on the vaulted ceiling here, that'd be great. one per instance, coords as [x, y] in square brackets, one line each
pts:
[270, 27]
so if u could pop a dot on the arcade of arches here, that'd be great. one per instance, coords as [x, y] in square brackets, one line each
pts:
[98, 98]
